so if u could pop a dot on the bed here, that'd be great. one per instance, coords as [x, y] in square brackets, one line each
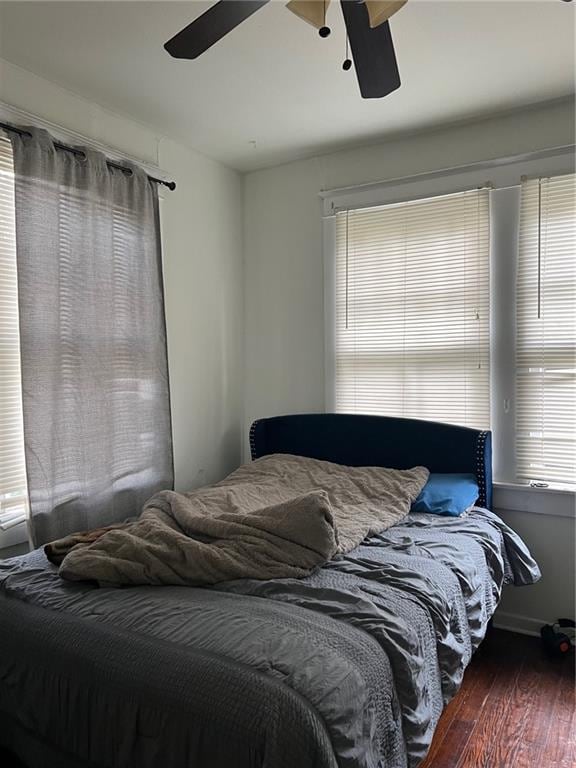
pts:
[347, 668]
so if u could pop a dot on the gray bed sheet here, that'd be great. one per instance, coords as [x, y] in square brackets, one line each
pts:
[347, 668]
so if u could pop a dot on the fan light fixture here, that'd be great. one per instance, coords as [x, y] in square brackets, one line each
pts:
[367, 30]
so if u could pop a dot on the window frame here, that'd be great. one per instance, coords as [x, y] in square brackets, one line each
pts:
[504, 176]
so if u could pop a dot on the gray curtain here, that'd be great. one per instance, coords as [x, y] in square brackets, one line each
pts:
[93, 341]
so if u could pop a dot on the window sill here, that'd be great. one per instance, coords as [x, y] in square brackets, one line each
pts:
[551, 488]
[15, 536]
[557, 502]
[16, 550]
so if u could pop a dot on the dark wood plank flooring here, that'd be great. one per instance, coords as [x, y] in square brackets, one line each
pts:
[516, 709]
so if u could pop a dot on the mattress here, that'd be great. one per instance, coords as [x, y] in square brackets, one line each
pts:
[347, 668]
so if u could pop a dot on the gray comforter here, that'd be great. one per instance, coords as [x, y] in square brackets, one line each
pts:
[348, 667]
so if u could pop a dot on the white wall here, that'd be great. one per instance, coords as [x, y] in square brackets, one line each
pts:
[284, 339]
[202, 243]
[202, 248]
[552, 541]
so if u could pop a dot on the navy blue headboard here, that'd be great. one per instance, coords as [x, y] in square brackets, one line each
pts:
[379, 441]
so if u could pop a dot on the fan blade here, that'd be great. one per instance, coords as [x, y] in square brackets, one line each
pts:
[380, 11]
[210, 27]
[312, 11]
[372, 50]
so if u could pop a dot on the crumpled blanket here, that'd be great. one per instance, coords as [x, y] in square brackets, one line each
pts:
[292, 537]
[281, 516]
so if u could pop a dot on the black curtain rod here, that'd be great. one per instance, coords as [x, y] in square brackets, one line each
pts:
[110, 163]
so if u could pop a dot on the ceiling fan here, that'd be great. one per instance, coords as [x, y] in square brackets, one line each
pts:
[367, 28]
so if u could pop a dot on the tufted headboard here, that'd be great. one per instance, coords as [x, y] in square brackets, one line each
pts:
[381, 441]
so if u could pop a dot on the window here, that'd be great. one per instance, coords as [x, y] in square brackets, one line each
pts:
[412, 309]
[451, 296]
[12, 466]
[546, 318]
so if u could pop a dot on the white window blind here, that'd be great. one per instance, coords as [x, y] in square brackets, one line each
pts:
[412, 309]
[12, 466]
[546, 320]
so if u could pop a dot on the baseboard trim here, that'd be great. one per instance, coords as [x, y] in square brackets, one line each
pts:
[515, 622]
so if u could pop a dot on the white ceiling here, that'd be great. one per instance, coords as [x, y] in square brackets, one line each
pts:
[275, 82]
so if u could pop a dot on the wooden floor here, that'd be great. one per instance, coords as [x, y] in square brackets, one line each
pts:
[516, 709]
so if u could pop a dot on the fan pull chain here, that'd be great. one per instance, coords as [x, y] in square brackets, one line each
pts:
[539, 249]
[478, 327]
[324, 31]
[346, 65]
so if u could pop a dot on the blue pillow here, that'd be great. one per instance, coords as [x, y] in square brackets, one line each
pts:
[447, 495]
